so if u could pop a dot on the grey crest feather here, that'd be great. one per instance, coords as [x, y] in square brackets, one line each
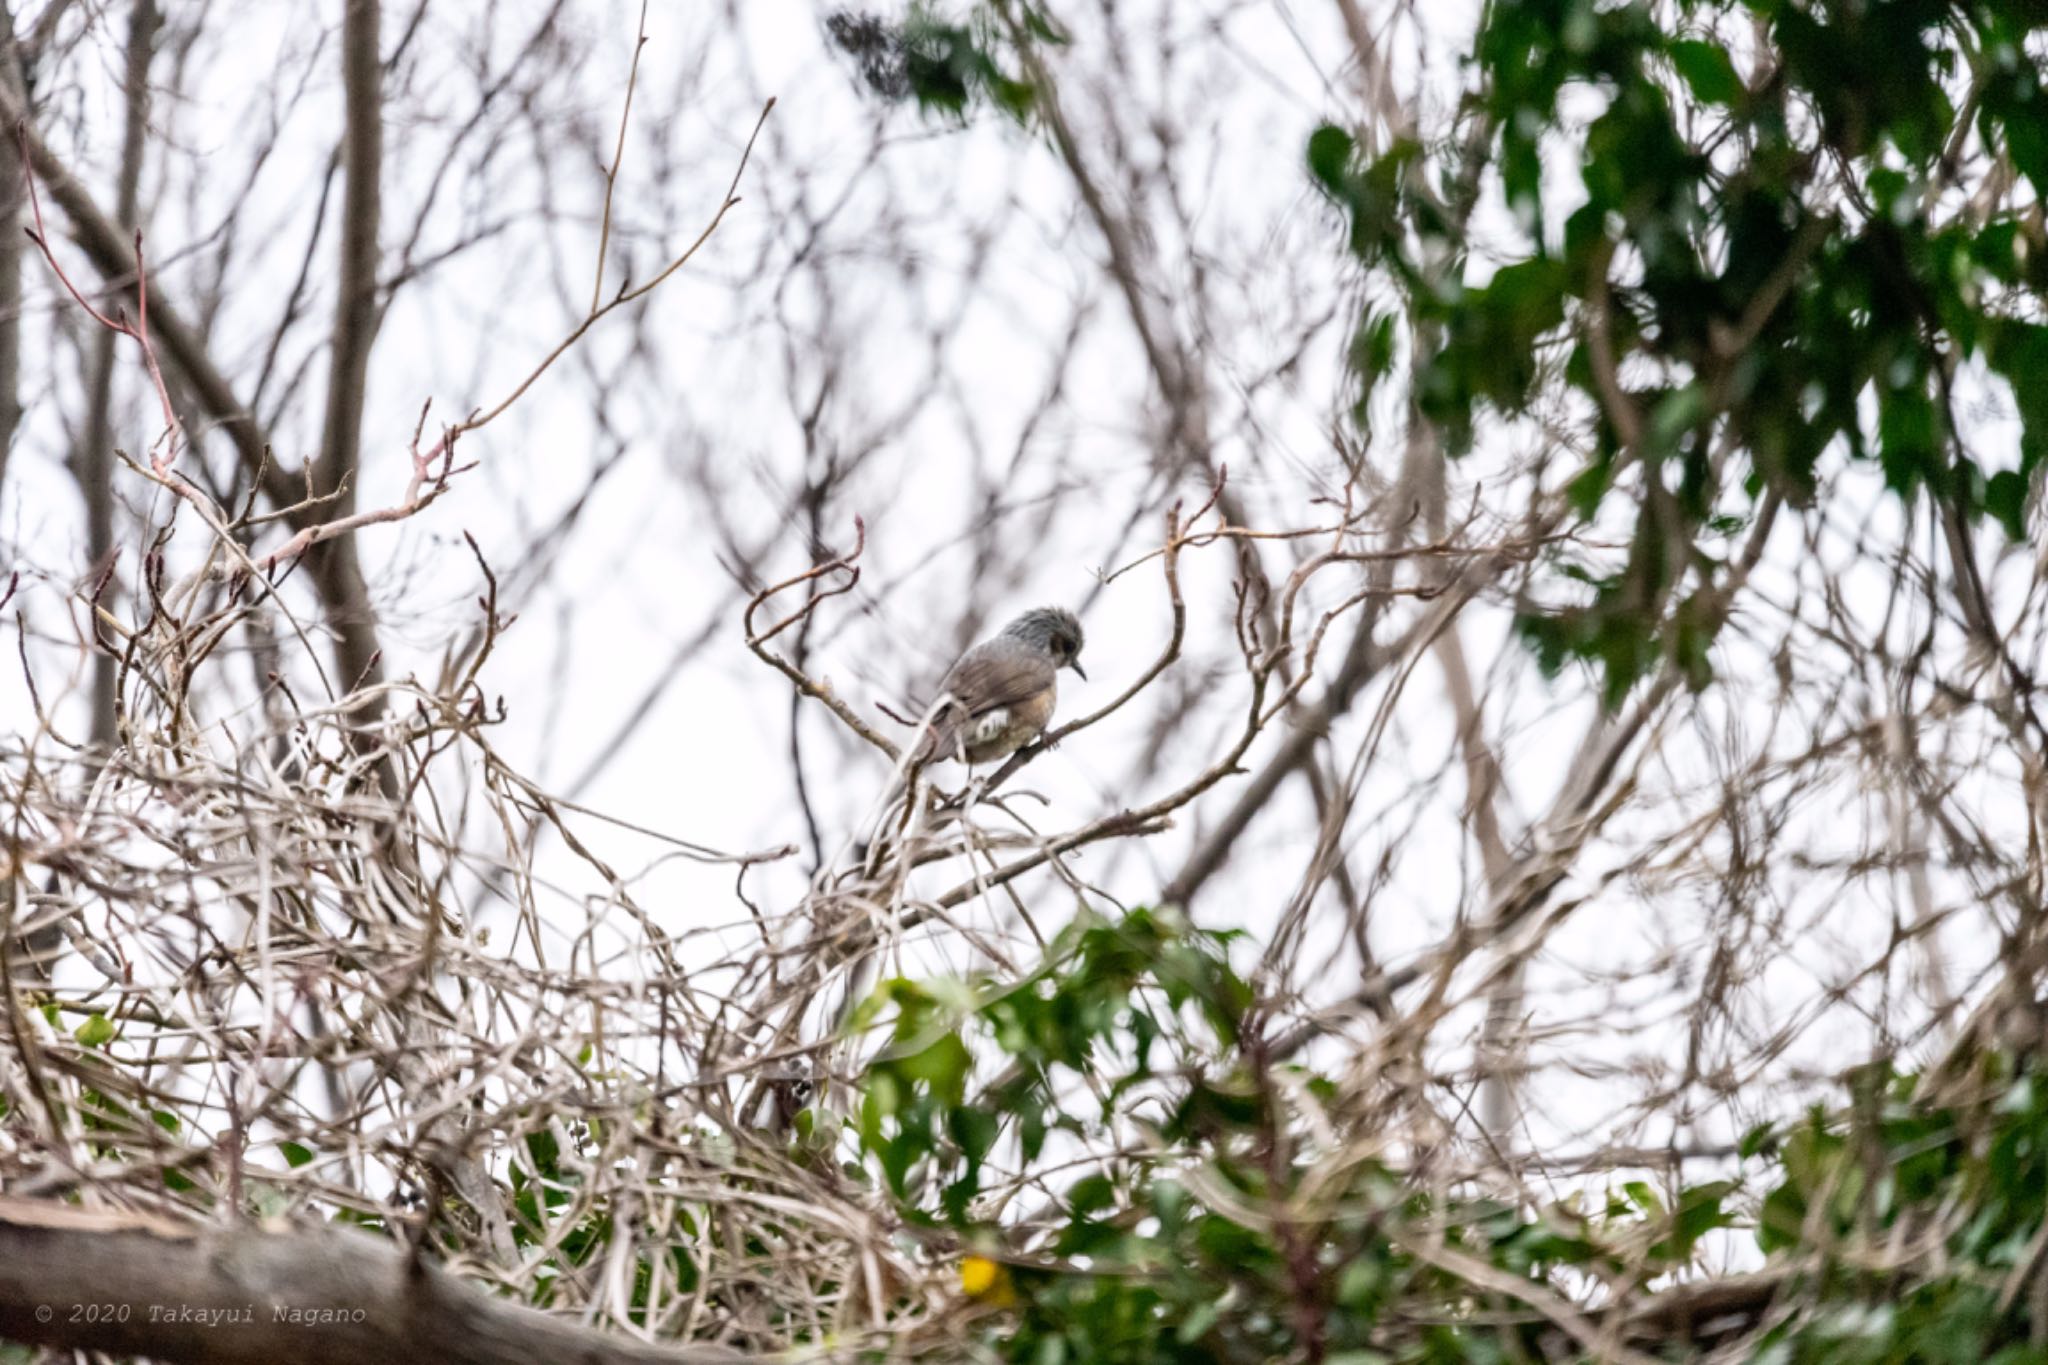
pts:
[1042, 625]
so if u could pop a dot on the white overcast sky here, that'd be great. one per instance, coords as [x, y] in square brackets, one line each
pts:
[719, 395]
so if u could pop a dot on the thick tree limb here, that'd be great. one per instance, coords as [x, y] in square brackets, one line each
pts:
[11, 199]
[1360, 664]
[355, 328]
[93, 458]
[224, 1296]
[1704, 1309]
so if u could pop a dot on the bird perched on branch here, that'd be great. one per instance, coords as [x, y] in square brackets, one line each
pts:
[1000, 695]
[994, 700]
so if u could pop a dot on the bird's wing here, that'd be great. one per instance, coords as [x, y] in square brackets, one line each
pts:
[990, 677]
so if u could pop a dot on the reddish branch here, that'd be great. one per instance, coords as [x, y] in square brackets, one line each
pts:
[160, 464]
[757, 640]
[117, 257]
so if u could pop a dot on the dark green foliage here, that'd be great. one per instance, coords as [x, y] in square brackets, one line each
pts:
[1083, 1012]
[1221, 1228]
[1962, 1185]
[1777, 262]
[951, 63]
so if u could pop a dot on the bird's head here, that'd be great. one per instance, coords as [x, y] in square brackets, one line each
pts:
[1054, 630]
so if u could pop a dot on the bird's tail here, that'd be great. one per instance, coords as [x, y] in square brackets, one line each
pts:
[891, 821]
[894, 821]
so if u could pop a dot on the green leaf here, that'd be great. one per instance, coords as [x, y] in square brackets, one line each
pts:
[975, 1129]
[1675, 415]
[943, 1066]
[1329, 157]
[2025, 121]
[97, 1031]
[2005, 497]
[295, 1154]
[1706, 67]
[1372, 349]
[1782, 1221]
[1910, 439]
[1091, 1194]
[1699, 1212]
[1197, 1323]
[1360, 1283]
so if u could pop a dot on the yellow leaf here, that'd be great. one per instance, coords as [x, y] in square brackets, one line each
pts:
[986, 1280]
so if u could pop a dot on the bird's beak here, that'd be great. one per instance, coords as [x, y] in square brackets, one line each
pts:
[1076, 666]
